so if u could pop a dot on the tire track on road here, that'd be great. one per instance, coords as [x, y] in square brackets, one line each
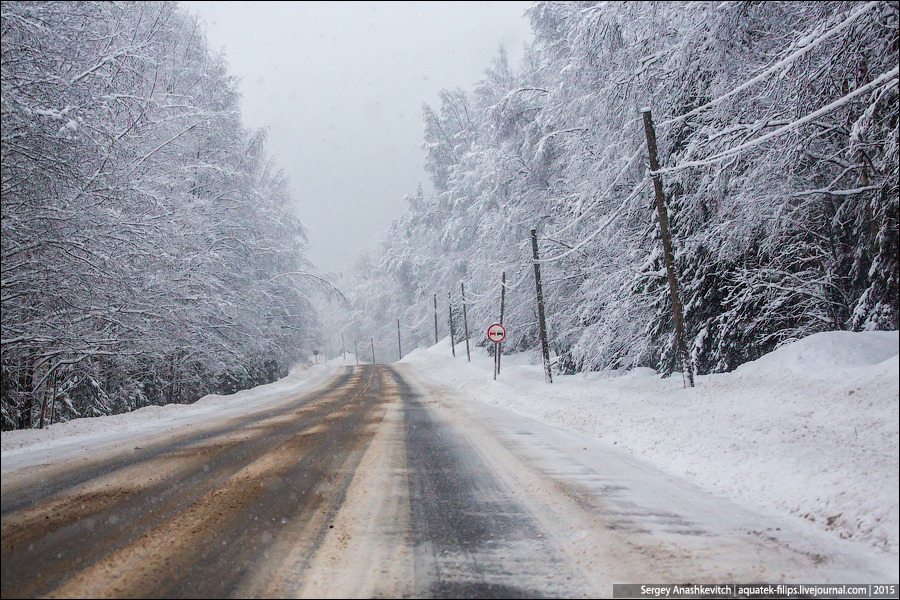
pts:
[190, 518]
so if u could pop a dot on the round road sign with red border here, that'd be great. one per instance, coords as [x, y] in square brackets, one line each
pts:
[496, 333]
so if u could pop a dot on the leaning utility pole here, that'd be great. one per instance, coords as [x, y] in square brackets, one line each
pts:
[465, 321]
[450, 308]
[650, 132]
[499, 348]
[373, 351]
[545, 350]
[435, 320]
[399, 347]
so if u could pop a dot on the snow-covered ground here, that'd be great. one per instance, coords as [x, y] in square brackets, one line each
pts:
[20, 449]
[810, 430]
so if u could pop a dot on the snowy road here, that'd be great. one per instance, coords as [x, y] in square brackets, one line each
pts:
[377, 483]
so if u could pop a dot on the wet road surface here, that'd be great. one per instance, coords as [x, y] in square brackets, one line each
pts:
[372, 485]
[203, 515]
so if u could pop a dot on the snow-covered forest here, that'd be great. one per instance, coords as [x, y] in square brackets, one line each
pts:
[150, 249]
[777, 129]
[151, 252]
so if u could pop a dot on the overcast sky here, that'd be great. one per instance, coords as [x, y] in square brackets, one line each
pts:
[341, 86]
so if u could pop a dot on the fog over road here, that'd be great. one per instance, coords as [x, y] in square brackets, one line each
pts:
[375, 483]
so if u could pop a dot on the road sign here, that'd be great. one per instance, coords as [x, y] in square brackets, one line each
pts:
[496, 333]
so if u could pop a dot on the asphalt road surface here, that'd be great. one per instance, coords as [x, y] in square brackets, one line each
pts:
[372, 484]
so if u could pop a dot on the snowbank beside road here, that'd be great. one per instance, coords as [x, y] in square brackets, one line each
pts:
[34, 446]
[810, 430]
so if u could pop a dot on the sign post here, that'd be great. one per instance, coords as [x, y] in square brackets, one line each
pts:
[496, 333]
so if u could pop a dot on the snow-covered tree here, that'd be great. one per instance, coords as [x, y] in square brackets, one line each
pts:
[777, 130]
[149, 250]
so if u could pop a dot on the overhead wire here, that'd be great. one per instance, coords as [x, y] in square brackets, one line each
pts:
[731, 152]
[777, 66]
[612, 217]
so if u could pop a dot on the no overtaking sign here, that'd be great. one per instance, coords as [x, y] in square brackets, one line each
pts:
[496, 333]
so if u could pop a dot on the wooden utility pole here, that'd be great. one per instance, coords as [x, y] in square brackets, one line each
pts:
[356, 352]
[499, 350]
[373, 351]
[465, 321]
[667, 247]
[343, 354]
[450, 308]
[545, 350]
[399, 347]
[435, 320]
